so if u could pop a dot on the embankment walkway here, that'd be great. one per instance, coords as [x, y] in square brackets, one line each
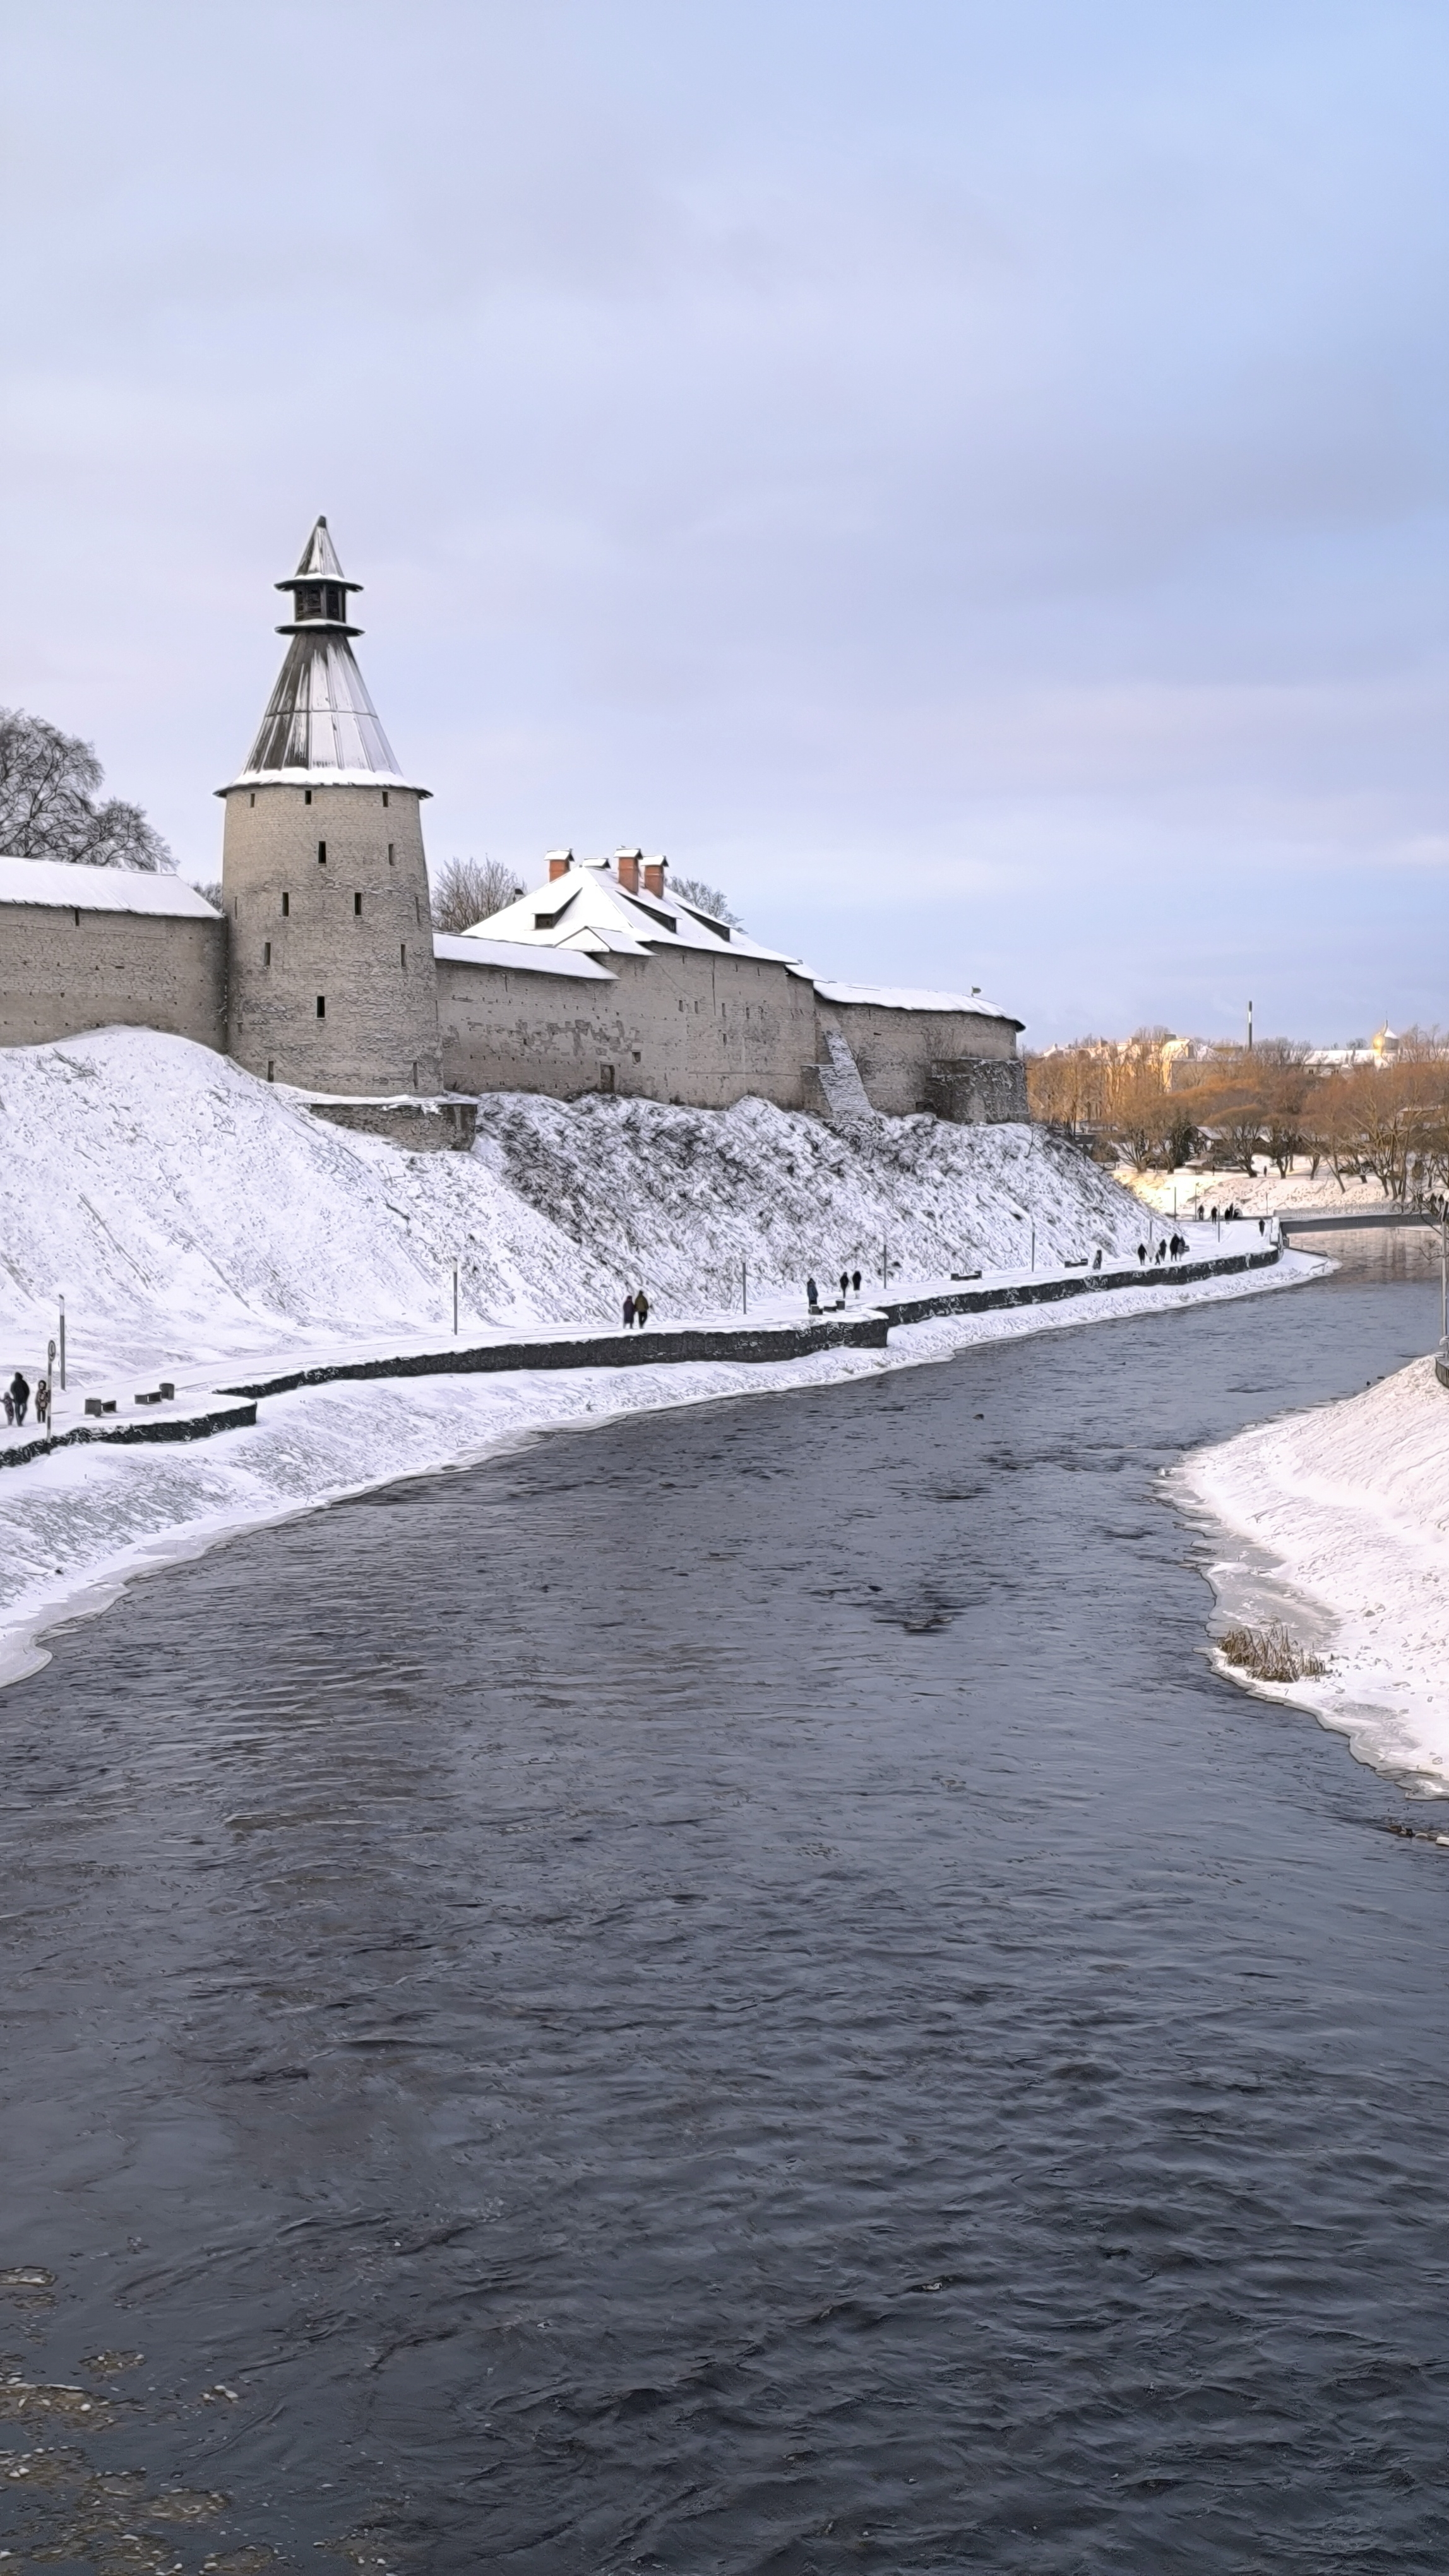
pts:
[199, 1414]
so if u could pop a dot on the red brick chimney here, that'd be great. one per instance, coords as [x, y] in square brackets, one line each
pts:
[628, 866]
[654, 876]
[559, 867]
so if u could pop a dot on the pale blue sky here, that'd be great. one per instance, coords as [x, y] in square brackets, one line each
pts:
[969, 478]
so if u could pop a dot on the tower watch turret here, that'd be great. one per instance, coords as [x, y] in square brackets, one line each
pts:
[332, 983]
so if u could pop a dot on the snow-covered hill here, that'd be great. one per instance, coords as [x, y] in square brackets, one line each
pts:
[191, 1216]
[185, 1209]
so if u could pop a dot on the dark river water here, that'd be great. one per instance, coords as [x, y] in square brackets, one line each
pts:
[731, 1993]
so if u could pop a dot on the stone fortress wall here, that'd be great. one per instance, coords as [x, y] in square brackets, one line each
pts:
[85, 948]
[676, 1025]
[421, 1012]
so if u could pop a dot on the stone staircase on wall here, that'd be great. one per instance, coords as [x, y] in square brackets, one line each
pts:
[839, 1079]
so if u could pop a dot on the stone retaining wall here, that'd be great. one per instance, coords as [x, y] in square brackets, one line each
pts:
[123, 1433]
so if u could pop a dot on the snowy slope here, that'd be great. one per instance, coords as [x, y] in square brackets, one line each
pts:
[683, 1196]
[184, 1208]
[1346, 1510]
[191, 1215]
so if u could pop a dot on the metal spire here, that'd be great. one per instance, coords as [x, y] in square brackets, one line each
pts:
[320, 719]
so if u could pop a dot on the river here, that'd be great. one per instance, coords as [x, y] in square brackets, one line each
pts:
[731, 1993]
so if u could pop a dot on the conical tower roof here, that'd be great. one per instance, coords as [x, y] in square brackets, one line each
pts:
[321, 727]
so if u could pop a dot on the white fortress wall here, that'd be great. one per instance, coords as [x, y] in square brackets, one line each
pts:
[93, 948]
[669, 1024]
[929, 1051]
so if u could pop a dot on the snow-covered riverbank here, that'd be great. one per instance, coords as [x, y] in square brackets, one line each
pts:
[201, 1225]
[1337, 1521]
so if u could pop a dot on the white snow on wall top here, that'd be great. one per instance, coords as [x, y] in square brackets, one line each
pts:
[467, 949]
[888, 997]
[55, 881]
[322, 778]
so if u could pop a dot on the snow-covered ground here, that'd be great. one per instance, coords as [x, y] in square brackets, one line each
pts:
[1337, 1522]
[1267, 1190]
[188, 1211]
[194, 1219]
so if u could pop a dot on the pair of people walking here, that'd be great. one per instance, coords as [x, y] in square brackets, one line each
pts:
[636, 1310]
[16, 1400]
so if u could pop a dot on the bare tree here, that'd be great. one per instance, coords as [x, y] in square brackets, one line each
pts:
[467, 891]
[49, 785]
[706, 899]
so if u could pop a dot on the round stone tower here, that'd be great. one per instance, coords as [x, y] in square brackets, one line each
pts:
[331, 977]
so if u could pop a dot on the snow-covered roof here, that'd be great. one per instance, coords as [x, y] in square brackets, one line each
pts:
[54, 881]
[904, 997]
[470, 950]
[322, 778]
[588, 909]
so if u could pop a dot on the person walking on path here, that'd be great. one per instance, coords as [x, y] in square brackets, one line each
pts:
[641, 1308]
[1142, 1254]
[844, 1286]
[42, 1404]
[855, 1281]
[9, 1402]
[628, 1313]
[19, 1395]
[812, 1296]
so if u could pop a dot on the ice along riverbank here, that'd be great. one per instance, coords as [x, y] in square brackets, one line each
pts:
[1338, 1520]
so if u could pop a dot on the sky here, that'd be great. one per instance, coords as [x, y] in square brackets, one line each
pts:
[969, 480]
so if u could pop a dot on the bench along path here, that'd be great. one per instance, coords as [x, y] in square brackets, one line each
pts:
[865, 1327]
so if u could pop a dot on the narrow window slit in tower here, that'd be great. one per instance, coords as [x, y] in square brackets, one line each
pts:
[357, 904]
[389, 854]
[266, 952]
[321, 854]
[321, 1006]
[306, 795]
[271, 1069]
[254, 796]
[384, 796]
[286, 905]
[405, 956]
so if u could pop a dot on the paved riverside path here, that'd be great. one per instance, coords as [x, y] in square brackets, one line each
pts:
[778, 1332]
[864, 1326]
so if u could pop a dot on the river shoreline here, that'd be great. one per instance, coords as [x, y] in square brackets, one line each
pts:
[76, 1528]
[1337, 1522]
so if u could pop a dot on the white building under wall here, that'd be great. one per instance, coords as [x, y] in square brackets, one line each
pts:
[322, 970]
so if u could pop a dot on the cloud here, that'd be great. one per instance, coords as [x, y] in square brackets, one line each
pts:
[908, 458]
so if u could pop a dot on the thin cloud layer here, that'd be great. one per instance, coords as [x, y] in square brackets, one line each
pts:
[970, 480]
